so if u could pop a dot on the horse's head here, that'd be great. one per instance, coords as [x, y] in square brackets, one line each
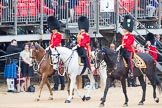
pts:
[108, 55]
[36, 51]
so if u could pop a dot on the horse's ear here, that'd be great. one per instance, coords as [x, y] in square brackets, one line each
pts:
[36, 43]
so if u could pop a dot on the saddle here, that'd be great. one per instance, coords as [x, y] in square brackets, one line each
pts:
[81, 62]
[138, 62]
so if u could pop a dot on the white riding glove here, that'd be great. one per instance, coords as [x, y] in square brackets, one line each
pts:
[75, 47]
[47, 48]
[117, 49]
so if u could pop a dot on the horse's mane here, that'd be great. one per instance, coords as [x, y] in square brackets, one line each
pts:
[109, 56]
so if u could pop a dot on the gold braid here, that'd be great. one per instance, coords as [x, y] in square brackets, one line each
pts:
[79, 37]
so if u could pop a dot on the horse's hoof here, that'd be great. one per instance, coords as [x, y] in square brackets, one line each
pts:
[156, 100]
[101, 99]
[125, 105]
[83, 98]
[37, 99]
[67, 101]
[50, 98]
[140, 103]
[101, 105]
[87, 98]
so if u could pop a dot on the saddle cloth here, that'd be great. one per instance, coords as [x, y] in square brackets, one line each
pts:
[138, 62]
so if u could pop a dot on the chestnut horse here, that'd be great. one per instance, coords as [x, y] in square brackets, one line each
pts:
[44, 67]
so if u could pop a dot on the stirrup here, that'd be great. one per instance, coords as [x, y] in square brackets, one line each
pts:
[130, 75]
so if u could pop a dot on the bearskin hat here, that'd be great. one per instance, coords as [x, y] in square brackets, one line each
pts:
[150, 37]
[128, 23]
[83, 23]
[53, 23]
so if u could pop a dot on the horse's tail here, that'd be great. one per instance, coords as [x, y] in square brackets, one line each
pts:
[158, 82]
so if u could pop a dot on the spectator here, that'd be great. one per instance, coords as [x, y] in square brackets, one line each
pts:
[58, 79]
[151, 7]
[151, 50]
[157, 39]
[160, 39]
[139, 49]
[10, 66]
[71, 5]
[112, 46]
[26, 66]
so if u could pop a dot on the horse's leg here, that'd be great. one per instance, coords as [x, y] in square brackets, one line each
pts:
[72, 85]
[92, 83]
[143, 85]
[108, 84]
[154, 93]
[103, 76]
[43, 80]
[153, 83]
[68, 87]
[123, 83]
[50, 90]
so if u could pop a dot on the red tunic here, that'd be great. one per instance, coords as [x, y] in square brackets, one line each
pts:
[55, 39]
[83, 40]
[153, 52]
[128, 41]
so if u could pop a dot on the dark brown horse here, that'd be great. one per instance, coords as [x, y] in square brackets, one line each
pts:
[120, 72]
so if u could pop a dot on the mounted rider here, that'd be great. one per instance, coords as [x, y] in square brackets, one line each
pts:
[83, 42]
[54, 27]
[150, 45]
[56, 36]
[127, 43]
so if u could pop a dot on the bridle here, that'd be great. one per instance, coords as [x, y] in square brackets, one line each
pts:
[67, 60]
[99, 62]
[36, 64]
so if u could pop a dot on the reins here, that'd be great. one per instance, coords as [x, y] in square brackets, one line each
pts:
[67, 60]
[38, 63]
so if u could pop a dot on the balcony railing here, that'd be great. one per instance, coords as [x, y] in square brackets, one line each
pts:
[15, 13]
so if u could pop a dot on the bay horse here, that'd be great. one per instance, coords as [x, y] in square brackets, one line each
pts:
[120, 72]
[70, 59]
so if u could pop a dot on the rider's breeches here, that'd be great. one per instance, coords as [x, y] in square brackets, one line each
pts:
[86, 62]
[128, 56]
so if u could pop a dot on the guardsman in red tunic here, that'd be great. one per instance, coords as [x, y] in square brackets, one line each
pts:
[151, 49]
[127, 43]
[54, 27]
[83, 42]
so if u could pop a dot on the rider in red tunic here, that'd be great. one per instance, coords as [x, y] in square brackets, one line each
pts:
[54, 27]
[55, 39]
[127, 43]
[153, 52]
[83, 42]
[150, 47]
